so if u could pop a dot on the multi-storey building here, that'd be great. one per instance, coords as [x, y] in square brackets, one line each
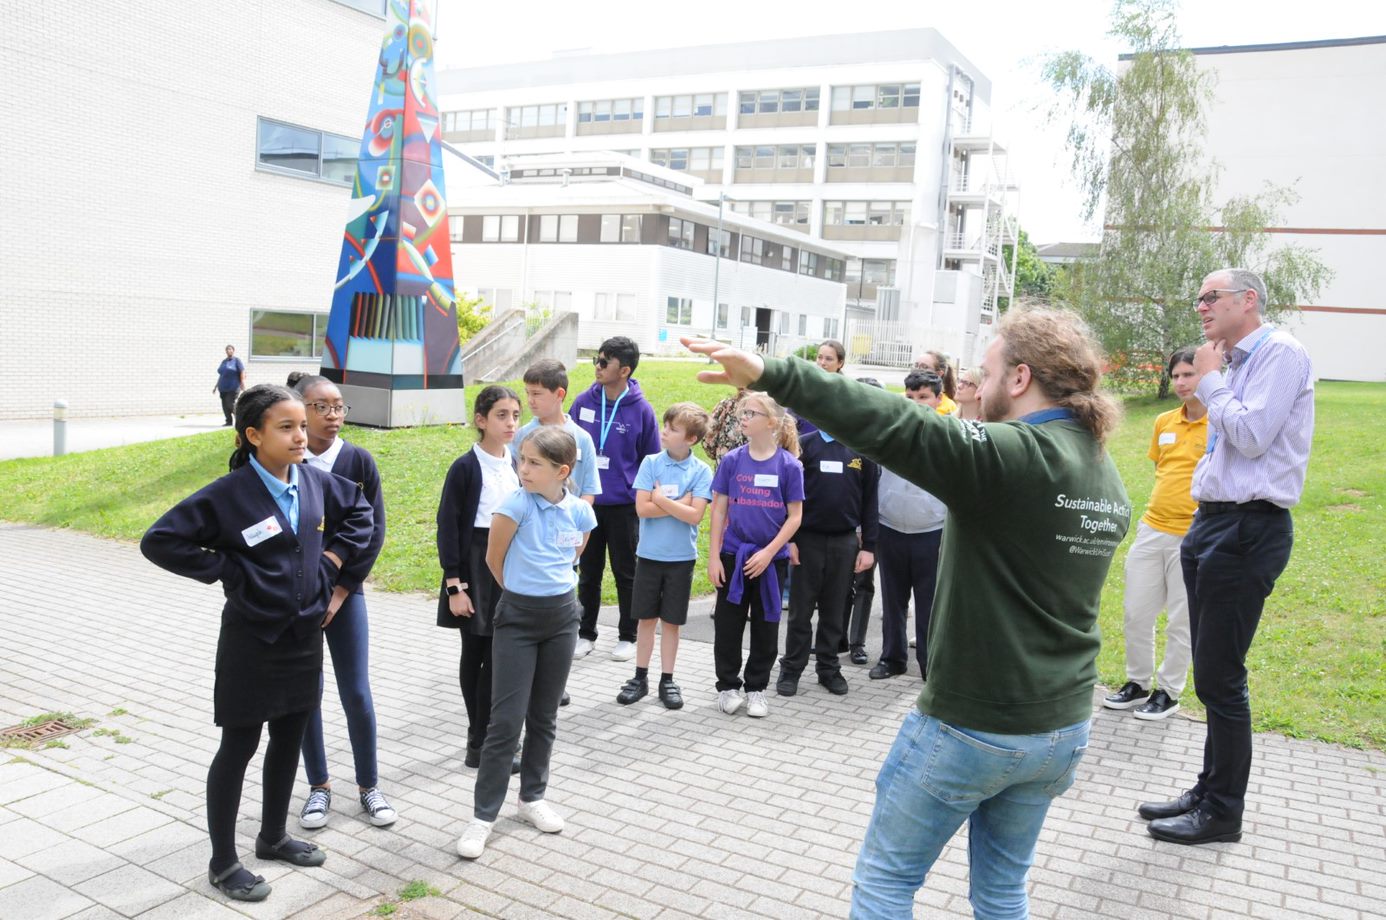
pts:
[210, 213]
[877, 144]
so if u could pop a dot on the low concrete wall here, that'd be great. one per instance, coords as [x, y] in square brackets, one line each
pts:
[555, 339]
[493, 346]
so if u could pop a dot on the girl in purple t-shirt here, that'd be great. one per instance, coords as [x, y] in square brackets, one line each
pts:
[757, 503]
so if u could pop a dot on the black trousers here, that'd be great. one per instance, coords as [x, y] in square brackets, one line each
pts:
[909, 563]
[474, 673]
[729, 626]
[821, 581]
[617, 533]
[228, 403]
[1231, 561]
[860, 596]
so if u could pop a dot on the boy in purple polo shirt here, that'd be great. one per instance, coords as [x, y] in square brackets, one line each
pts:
[625, 431]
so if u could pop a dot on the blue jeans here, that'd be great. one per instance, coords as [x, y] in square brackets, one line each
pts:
[348, 640]
[938, 775]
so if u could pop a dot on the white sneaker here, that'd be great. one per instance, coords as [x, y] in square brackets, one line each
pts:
[729, 701]
[583, 648]
[541, 815]
[624, 651]
[756, 706]
[473, 840]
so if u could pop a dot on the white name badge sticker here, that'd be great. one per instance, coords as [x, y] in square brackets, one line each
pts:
[1166, 437]
[669, 491]
[578, 458]
[569, 539]
[603, 463]
[586, 415]
[767, 480]
[830, 466]
[259, 533]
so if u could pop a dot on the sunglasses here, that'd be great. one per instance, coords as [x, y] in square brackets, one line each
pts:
[601, 362]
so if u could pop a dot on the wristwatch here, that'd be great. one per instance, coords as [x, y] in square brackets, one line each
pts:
[455, 589]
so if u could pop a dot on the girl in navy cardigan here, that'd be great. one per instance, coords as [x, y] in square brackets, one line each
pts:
[476, 484]
[289, 544]
[348, 638]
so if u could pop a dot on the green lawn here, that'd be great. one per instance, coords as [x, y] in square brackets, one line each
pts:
[1316, 667]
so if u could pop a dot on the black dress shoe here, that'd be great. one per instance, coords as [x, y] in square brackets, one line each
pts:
[1186, 803]
[632, 690]
[788, 684]
[1129, 696]
[859, 655]
[882, 670]
[1198, 826]
[670, 695]
[565, 699]
[473, 758]
[835, 682]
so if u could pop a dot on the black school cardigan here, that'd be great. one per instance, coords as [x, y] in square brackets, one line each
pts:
[457, 525]
[285, 580]
[357, 464]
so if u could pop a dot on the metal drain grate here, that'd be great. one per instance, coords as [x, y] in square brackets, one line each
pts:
[28, 734]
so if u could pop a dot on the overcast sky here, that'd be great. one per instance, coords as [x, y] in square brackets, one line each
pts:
[1003, 38]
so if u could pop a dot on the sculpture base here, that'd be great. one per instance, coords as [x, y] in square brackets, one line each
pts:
[405, 408]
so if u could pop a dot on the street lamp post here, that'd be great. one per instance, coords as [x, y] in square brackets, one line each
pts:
[717, 266]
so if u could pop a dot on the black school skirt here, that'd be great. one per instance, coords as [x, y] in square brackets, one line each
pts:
[257, 681]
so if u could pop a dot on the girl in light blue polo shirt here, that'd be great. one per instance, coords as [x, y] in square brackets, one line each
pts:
[537, 535]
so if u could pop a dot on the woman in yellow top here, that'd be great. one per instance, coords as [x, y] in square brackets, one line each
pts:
[938, 362]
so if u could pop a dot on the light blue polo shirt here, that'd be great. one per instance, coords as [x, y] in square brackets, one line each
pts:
[584, 480]
[285, 494]
[667, 539]
[541, 555]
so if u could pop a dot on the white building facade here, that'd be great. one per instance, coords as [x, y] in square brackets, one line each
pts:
[210, 213]
[625, 246]
[1306, 115]
[877, 144]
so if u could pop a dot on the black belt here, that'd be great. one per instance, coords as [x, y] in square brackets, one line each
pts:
[1227, 507]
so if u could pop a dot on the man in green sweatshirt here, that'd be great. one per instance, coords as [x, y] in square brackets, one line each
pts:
[1035, 511]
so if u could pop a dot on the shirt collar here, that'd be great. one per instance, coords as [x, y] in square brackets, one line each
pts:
[679, 463]
[276, 487]
[328, 458]
[825, 436]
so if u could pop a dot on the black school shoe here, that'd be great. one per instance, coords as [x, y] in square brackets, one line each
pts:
[859, 655]
[289, 850]
[1196, 827]
[632, 690]
[1159, 706]
[670, 695]
[473, 760]
[1129, 696]
[835, 682]
[788, 684]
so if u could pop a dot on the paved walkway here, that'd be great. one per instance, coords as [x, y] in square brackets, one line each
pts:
[670, 815]
[34, 437]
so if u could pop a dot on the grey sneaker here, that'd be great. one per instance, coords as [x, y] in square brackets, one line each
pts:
[316, 809]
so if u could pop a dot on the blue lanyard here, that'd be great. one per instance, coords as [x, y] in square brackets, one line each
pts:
[1241, 376]
[606, 423]
[1048, 415]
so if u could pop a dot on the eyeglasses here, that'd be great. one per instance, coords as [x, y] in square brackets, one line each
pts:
[752, 413]
[966, 383]
[600, 362]
[1212, 297]
[327, 410]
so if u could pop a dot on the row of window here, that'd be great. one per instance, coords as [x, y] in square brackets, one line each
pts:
[781, 156]
[698, 159]
[866, 213]
[776, 212]
[787, 156]
[859, 155]
[695, 105]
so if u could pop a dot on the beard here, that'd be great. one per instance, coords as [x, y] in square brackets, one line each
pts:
[996, 407]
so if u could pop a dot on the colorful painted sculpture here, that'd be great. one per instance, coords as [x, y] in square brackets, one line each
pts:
[392, 334]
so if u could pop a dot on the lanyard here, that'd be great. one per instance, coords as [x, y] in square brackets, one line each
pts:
[1239, 378]
[1047, 415]
[605, 428]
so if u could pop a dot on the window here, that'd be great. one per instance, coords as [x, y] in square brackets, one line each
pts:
[630, 228]
[555, 302]
[803, 324]
[830, 328]
[541, 116]
[500, 228]
[866, 213]
[679, 312]
[859, 156]
[702, 159]
[548, 228]
[788, 213]
[752, 250]
[808, 262]
[787, 258]
[747, 316]
[472, 120]
[834, 272]
[284, 334]
[774, 101]
[699, 105]
[882, 96]
[681, 233]
[490, 228]
[712, 247]
[722, 315]
[605, 110]
[567, 228]
[305, 152]
[618, 308]
[784, 323]
[611, 228]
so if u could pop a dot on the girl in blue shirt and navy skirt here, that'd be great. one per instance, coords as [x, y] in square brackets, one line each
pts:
[537, 535]
[288, 543]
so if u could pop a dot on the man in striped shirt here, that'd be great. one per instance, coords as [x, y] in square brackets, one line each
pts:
[1258, 386]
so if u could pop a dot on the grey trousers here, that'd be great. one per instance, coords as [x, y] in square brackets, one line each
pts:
[531, 652]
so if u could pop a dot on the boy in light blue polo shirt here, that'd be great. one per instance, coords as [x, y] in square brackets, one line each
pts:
[672, 492]
[546, 384]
